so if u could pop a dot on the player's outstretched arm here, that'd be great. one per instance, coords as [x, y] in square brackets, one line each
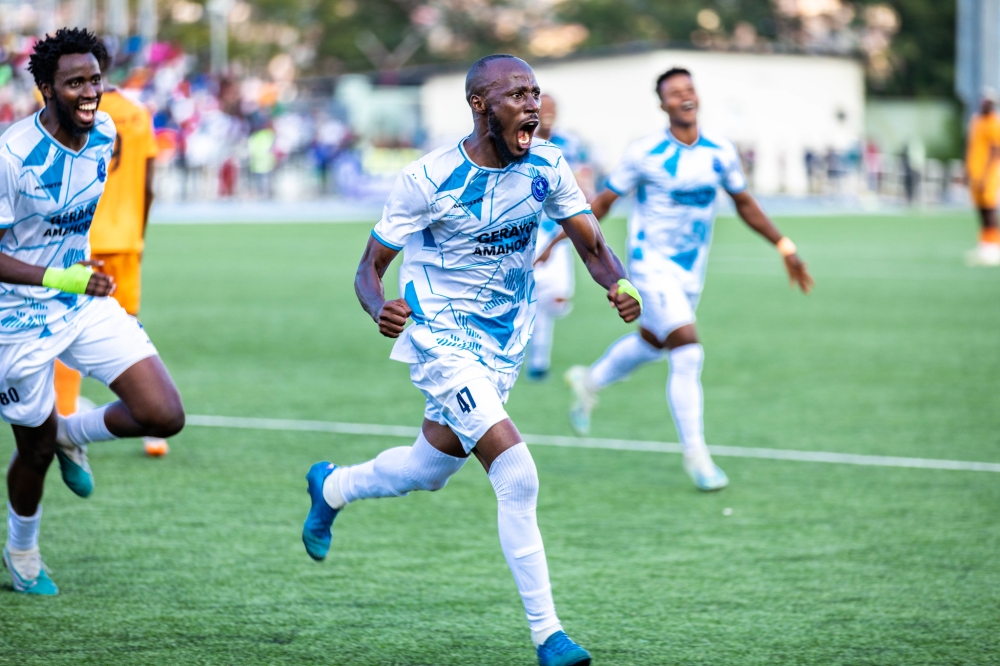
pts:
[390, 316]
[750, 212]
[607, 271]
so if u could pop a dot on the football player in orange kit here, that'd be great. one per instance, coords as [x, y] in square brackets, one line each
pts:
[982, 164]
[119, 228]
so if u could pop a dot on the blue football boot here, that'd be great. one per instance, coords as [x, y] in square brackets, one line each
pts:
[27, 572]
[560, 650]
[317, 532]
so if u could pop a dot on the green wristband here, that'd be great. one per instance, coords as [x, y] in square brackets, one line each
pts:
[73, 279]
[626, 287]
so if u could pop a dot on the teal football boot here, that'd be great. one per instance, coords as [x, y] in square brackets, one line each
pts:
[73, 463]
[27, 572]
[559, 650]
[317, 532]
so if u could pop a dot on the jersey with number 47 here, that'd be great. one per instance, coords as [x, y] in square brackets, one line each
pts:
[468, 238]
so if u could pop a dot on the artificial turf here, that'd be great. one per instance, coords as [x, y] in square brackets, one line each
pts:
[196, 558]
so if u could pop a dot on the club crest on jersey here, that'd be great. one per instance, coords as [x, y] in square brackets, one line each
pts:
[102, 170]
[539, 188]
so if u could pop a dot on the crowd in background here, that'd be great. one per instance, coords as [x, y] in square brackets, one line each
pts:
[249, 137]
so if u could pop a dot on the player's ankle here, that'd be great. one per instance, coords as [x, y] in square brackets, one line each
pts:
[331, 490]
[539, 637]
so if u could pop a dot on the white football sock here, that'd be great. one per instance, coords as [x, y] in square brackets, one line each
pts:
[22, 533]
[684, 396]
[393, 473]
[621, 359]
[540, 349]
[515, 481]
[85, 427]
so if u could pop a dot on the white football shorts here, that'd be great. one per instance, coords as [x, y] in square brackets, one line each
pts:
[554, 281]
[102, 341]
[669, 300]
[464, 395]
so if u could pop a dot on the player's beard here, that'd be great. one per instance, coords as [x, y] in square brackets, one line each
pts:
[64, 116]
[497, 132]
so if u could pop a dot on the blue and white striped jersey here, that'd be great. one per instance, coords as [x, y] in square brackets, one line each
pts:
[48, 195]
[468, 239]
[676, 186]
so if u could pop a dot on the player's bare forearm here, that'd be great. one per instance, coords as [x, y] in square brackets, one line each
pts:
[601, 204]
[389, 315]
[602, 264]
[750, 212]
[15, 271]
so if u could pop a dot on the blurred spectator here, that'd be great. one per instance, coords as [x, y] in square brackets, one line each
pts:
[262, 160]
[872, 165]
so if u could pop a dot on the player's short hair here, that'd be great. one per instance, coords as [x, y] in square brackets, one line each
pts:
[44, 60]
[475, 80]
[669, 74]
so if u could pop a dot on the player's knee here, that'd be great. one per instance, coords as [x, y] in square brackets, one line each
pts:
[433, 483]
[515, 477]
[165, 419]
[38, 457]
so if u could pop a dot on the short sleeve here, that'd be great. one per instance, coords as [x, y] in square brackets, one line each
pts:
[565, 198]
[407, 211]
[732, 176]
[626, 176]
[8, 193]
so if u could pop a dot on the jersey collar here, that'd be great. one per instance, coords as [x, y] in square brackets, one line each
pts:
[56, 142]
[461, 149]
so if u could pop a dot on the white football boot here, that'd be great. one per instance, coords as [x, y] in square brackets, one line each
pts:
[703, 471]
[584, 398]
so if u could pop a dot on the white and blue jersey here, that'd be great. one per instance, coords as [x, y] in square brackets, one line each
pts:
[571, 146]
[468, 239]
[676, 185]
[575, 154]
[48, 195]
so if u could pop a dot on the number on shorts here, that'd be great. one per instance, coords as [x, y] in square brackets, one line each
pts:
[466, 404]
[10, 395]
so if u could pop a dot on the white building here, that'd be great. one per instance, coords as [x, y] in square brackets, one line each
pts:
[774, 105]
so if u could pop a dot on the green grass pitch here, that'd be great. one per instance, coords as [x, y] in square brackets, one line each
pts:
[197, 559]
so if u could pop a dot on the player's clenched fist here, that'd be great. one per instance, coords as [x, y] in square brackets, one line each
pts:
[100, 284]
[392, 317]
[626, 299]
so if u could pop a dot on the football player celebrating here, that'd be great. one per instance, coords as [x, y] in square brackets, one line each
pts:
[465, 217]
[676, 173]
[53, 165]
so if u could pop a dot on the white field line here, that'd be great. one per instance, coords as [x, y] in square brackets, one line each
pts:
[410, 432]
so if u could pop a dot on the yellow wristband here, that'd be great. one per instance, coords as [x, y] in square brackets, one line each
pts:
[626, 287]
[785, 246]
[73, 279]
